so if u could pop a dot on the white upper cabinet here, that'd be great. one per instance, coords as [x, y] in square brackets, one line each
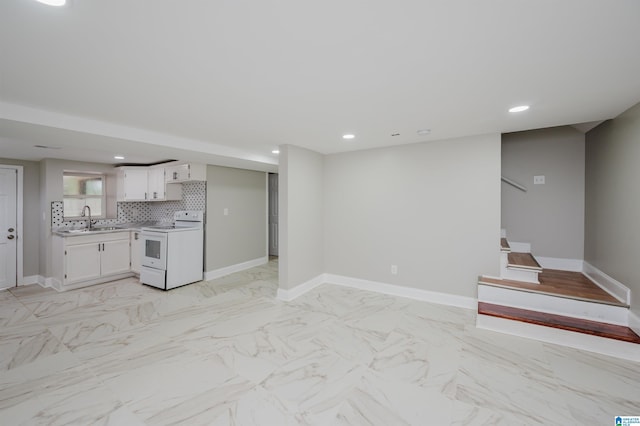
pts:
[145, 184]
[188, 172]
[132, 184]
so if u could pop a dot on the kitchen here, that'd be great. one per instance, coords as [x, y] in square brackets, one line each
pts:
[235, 202]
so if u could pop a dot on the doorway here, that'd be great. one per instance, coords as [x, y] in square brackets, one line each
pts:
[10, 244]
[273, 214]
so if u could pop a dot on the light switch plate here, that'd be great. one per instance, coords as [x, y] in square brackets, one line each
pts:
[538, 180]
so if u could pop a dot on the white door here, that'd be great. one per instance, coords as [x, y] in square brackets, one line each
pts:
[156, 184]
[82, 262]
[273, 214]
[115, 257]
[8, 227]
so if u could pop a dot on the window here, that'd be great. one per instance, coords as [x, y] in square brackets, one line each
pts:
[83, 189]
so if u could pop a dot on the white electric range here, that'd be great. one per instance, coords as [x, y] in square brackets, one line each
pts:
[172, 255]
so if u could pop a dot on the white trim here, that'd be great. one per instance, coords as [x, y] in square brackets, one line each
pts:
[266, 227]
[401, 291]
[217, 273]
[520, 247]
[634, 322]
[573, 265]
[607, 283]
[31, 279]
[44, 282]
[19, 224]
[377, 287]
[503, 233]
[587, 342]
[299, 290]
[555, 305]
[19, 220]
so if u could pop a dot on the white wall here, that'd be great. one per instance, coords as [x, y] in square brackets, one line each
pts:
[240, 236]
[31, 209]
[301, 232]
[432, 209]
[549, 216]
[612, 229]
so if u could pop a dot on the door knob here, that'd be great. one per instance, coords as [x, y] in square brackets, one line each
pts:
[11, 229]
[11, 237]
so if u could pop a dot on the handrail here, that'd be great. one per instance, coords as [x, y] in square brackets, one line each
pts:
[513, 183]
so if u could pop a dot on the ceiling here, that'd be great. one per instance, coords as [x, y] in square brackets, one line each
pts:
[228, 81]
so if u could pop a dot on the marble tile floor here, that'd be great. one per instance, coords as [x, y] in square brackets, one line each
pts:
[227, 352]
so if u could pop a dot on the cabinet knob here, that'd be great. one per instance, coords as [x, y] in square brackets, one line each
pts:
[10, 230]
[11, 237]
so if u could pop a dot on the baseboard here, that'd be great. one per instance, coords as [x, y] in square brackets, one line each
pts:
[520, 247]
[573, 265]
[503, 233]
[377, 287]
[601, 345]
[28, 280]
[300, 289]
[238, 267]
[634, 322]
[607, 283]
[408, 292]
[44, 282]
[550, 304]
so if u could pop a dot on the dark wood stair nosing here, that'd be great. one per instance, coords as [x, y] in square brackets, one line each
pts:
[587, 295]
[504, 246]
[547, 293]
[593, 328]
[512, 262]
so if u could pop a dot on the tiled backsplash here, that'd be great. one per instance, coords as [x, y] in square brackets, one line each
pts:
[194, 197]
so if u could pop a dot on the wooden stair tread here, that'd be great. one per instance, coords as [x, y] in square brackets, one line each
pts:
[594, 328]
[504, 245]
[524, 261]
[572, 285]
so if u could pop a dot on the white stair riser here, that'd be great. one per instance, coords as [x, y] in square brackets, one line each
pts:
[611, 347]
[517, 274]
[554, 305]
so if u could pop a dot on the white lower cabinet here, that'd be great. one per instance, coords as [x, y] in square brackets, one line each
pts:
[92, 259]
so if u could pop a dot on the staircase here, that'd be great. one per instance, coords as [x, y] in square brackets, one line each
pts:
[563, 307]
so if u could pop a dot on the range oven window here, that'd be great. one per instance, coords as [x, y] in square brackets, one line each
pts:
[152, 248]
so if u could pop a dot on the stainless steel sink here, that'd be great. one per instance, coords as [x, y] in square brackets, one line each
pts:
[95, 229]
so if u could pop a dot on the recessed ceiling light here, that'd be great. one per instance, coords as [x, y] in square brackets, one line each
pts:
[423, 132]
[118, 157]
[519, 108]
[348, 136]
[53, 2]
[275, 151]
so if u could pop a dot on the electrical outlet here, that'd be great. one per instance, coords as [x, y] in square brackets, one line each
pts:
[394, 269]
[538, 180]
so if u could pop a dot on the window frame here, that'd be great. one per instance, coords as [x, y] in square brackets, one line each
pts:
[103, 197]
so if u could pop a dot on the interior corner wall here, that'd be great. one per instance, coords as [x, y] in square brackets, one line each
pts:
[549, 216]
[240, 235]
[301, 209]
[51, 189]
[31, 214]
[612, 233]
[432, 209]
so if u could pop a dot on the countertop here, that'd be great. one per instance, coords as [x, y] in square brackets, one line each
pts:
[103, 229]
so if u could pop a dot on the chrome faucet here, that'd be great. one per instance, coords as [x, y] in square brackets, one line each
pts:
[82, 214]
